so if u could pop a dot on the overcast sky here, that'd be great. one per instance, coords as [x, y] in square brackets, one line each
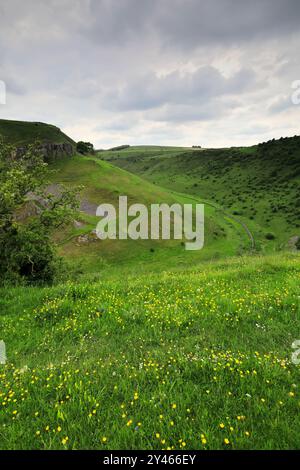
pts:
[175, 72]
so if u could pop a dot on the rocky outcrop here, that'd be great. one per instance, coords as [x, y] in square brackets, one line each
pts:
[293, 243]
[87, 238]
[55, 151]
[50, 151]
[88, 207]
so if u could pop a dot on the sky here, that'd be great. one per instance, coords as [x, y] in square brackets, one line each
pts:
[213, 73]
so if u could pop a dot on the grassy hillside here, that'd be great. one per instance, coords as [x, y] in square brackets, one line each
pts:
[104, 182]
[260, 185]
[194, 360]
[21, 133]
[151, 346]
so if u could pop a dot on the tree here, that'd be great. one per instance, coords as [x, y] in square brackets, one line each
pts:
[85, 147]
[26, 248]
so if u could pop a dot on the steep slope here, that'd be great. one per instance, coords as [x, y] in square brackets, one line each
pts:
[104, 183]
[260, 185]
[20, 133]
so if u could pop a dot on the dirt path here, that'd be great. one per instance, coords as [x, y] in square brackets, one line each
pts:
[238, 221]
[227, 214]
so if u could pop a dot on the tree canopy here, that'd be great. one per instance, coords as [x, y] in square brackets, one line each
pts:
[27, 251]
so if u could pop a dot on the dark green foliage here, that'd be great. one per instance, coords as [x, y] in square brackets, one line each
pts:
[270, 236]
[26, 250]
[120, 147]
[85, 148]
[260, 183]
[21, 133]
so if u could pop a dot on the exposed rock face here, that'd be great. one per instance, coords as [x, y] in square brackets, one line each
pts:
[78, 224]
[293, 243]
[88, 207]
[51, 151]
[87, 238]
[55, 151]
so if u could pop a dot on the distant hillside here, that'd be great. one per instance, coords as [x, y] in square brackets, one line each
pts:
[260, 184]
[21, 133]
[104, 183]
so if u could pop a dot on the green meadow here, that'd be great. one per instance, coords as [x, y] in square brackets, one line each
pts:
[196, 359]
[260, 185]
[144, 345]
[104, 182]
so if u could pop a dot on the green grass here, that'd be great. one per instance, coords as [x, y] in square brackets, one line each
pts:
[21, 133]
[151, 346]
[261, 183]
[104, 182]
[178, 360]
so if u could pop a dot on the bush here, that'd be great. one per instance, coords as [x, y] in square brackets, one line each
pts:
[85, 148]
[26, 249]
[270, 236]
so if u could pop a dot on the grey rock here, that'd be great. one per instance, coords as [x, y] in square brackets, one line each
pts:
[50, 151]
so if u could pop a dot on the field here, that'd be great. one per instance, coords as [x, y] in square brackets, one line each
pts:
[199, 359]
[260, 184]
[144, 345]
[104, 182]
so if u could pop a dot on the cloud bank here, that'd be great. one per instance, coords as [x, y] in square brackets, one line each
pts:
[187, 72]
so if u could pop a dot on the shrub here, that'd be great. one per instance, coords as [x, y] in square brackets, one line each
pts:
[85, 148]
[26, 248]
[270, 236]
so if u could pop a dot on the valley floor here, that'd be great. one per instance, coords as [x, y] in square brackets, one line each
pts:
[200, 359]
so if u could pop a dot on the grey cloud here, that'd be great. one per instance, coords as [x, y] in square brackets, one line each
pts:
[280, 104]
[193, 23]
[117, 125]
[204, 84]
[13, 85]
[255, 130]
[180, 114]
[181, 24]
[209, 110]
[199, 23]
[131, 65]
